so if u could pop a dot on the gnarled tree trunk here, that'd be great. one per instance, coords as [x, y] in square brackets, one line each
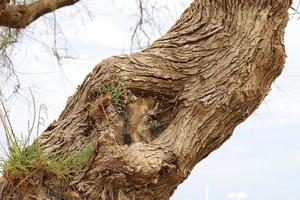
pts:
[185, 94]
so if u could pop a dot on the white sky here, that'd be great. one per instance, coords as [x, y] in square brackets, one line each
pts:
[262, 158]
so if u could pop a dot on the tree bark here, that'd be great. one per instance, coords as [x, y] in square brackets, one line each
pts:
[185, 94]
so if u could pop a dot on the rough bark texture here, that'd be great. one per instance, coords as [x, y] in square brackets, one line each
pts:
[189, 89]
[20, 16]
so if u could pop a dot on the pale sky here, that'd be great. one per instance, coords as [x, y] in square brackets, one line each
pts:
[261, 159]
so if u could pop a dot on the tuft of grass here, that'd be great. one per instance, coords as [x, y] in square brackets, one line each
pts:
[24, 160]
[116, 91]
[21, 162]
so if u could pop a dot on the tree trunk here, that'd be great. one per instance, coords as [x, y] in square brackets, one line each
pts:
[184, 96]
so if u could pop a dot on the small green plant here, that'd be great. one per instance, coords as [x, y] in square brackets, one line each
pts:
[24, 160]
[21, 162]
[116, 91]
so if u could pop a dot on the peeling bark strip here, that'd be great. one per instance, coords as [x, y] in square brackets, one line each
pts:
[20, 16]
[190, 89]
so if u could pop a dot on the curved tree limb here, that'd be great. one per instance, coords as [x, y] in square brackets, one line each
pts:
[20, 16]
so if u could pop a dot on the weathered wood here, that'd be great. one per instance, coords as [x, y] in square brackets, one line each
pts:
[190, 89]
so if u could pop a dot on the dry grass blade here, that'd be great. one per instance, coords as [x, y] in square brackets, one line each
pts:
[9, 133]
